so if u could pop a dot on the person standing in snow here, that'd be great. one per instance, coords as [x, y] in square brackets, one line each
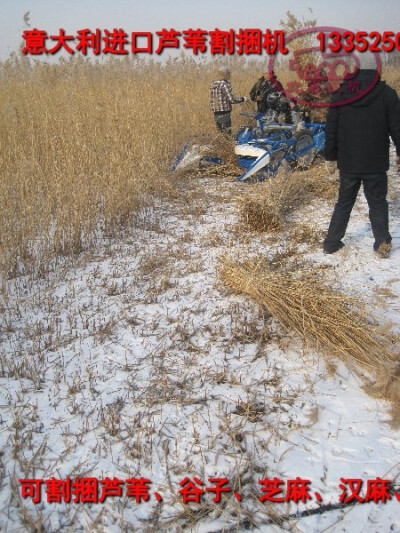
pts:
[222, 98]
[357, 138]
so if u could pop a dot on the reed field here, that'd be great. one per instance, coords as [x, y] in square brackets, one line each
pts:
[84, 146]
[202, 333]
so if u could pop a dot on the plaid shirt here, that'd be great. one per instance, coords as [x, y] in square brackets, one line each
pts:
[222, 97]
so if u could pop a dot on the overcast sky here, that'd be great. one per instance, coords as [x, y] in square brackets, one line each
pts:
[153, 15]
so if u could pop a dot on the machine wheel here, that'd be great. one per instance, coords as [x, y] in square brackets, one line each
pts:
[305, 160]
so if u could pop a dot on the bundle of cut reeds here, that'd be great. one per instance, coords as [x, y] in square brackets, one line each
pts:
[267, 204]
[324, 318]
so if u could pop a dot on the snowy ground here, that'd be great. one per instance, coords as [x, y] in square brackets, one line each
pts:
[139, 363]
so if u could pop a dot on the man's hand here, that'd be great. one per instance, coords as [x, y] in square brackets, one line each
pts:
[330, 167]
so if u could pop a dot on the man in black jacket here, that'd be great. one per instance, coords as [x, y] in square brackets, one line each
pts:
[263, 87]
[357, 137]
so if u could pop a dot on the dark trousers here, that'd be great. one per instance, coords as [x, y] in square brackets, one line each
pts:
[223, 122]
[375, 190]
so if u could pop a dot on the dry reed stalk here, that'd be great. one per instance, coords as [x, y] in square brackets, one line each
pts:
[391, 74]
[223, 146]
[321, 185]
[83, 146]
[209, 146]
[325, 319]
[267, 204]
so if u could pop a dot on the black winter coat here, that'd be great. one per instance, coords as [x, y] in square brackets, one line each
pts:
[262, 88]
[357, 133]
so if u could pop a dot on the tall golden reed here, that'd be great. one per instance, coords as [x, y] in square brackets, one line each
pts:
[83, 145]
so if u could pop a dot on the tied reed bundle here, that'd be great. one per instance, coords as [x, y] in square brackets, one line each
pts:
[265, 208]
[325, 320]
[267, 204]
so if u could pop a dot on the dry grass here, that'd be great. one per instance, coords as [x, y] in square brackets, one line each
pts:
[84, 146]
[267, 204]
[265, 208]
[326, 320]
[303, 233]
[391, 74]
[82, 149]
[201, 147]
[224, 147]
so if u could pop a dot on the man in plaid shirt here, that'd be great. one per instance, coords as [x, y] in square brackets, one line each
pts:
[222, 98]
